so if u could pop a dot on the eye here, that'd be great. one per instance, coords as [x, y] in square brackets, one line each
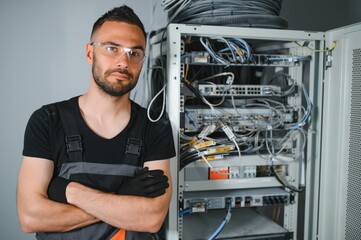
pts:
[111, 49]
[137, 53]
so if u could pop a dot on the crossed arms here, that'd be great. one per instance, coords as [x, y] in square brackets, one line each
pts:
[37, 213]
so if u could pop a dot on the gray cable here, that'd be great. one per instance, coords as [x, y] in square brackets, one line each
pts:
[261, 13]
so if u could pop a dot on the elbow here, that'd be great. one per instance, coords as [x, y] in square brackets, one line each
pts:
[155, 225]
[27, 220]
[156, 222]
[159, 214]
[26, 224]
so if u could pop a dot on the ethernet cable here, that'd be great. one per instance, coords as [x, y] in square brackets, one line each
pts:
[258, 147]
[184, 212]
[198, 94]
[307, 114]
[204, 152]
[242, 54]
[163, 104]
[279, 112]
[290, 81]
[249, 132]
[289, 135]
[276, 156]
[224, 222]
[284, 182]
[222, 99]
[231, 49]
[206, 44]
[231, 137]
[234, 45]
[273, 123]
[191, 121]
[272, 158]
[245, 46]
[275, 112]
[185, 137]
[229, 82]
[196, 156]
[230, 79]
[162, 90]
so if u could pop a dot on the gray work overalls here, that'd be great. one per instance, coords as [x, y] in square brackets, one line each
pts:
[75, 168]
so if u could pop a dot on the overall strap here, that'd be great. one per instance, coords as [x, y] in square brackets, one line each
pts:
[73, 139]
[135, 139]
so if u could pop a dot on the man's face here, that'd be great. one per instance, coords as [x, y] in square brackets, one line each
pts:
[113, 71]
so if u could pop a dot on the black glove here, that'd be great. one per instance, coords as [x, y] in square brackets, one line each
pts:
[56, 189]
[147, 183]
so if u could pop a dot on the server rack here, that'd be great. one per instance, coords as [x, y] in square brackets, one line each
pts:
[242, 183]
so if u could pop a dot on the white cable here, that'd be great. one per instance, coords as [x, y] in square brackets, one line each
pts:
[205, 42]
[218, 75]
[163, 104]
[307, 114]
[204, 159]
[223, 97]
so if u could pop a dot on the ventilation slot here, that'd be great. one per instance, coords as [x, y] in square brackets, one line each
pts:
[353, 203]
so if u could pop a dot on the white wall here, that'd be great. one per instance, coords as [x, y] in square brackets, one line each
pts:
[42, 60]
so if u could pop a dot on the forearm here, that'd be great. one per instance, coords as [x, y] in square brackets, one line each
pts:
[36, 212]
[44, 215]
[127, 212]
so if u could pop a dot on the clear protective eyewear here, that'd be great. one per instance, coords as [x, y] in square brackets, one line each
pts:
[116, 51]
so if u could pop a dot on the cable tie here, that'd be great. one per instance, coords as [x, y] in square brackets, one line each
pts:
[226, 129]
[193, 142]
[205, 144]
[211, 158]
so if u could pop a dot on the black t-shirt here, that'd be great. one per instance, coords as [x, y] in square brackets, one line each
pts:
[45, 138]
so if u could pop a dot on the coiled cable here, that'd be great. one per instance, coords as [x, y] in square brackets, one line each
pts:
[260, 13]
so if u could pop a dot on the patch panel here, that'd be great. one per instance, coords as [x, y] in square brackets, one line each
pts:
[198, 118]
[202, 57]
[203, 201]
[220, 90]
[229, 172]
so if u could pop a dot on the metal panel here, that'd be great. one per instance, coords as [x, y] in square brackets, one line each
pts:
[173, 109]
[340, 187]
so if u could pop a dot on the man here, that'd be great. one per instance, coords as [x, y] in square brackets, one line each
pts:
[96, 187]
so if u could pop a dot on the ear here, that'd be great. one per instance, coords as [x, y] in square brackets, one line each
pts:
[89, 53]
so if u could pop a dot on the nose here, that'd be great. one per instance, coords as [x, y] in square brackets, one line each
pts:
[123, 59]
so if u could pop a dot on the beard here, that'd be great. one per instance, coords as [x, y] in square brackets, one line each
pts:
[113, 89]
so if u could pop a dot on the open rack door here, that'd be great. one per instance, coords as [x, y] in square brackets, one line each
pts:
[340, 184]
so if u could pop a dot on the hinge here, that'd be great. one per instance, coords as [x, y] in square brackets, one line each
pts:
[328, 60]
[328, 56]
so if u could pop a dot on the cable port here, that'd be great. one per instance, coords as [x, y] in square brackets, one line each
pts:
[228, 201]
[199, 205]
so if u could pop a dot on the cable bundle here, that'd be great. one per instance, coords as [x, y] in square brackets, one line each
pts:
[242, 13]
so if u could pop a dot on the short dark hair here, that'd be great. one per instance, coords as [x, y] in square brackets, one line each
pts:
[119, 14]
